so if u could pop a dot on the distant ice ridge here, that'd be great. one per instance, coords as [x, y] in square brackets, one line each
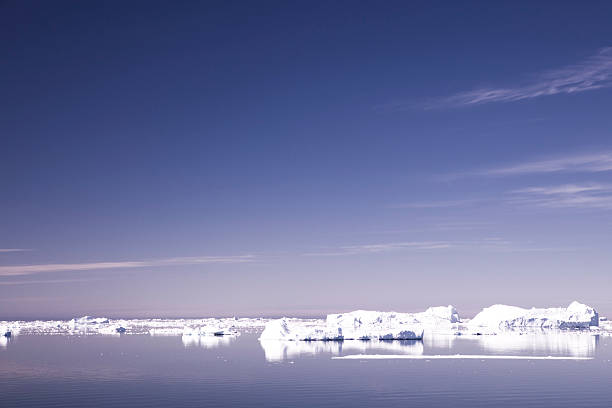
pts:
[100, 325]
[363, 325]
[501, 317]
[435, 324]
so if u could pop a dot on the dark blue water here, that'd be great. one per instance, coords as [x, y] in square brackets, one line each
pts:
[135, 371]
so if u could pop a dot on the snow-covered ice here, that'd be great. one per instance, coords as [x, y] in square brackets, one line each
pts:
[364, 325]
[496, 317]
[436, 324]
[87, 325]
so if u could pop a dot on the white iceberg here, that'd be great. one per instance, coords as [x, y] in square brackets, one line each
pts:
[496, 317]
[368, 325]
[298, 329]
[210, 330]
[363, 325]
[166, 331]
[88, 320]
[7, 331]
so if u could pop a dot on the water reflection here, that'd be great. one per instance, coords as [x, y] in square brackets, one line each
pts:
[542, 343]
[440, 341]
[207, 342]
[557, 344]
[278, 350]
[4, 342]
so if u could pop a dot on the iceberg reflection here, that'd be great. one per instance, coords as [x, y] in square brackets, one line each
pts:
[539, 343]
[439, 341]
[207, 342]
[279, 350]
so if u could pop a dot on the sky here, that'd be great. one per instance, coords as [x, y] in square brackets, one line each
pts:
[301, 158]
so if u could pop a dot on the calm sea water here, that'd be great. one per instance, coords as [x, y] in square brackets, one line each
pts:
[101, 371]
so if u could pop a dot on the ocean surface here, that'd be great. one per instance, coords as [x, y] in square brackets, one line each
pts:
[174, 371]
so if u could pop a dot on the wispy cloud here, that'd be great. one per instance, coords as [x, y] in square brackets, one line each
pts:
[13, 250]
[381, 247]
[592, 195]
[564, 189]
[436, 227]
[15, 270]
[587, 163]
[578, 163]
[435, 204]
[45, 282]
[593, 73]
[489, 244]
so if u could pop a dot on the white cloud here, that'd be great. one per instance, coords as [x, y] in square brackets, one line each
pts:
[382, 247]
[587, 163]
[598, 196]
[15, 270]
[488, 244]
[44, 282]
[435, 204]
[593, 73]
[579, 163]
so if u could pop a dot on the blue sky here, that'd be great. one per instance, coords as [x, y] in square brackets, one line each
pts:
[299, 158]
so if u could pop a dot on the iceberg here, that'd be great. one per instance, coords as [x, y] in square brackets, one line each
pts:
[299, 329]
[8, 329]
[209, 330]
[88, 320]
[363, 325]
[500, 317]
[368, 325]
[436, 324]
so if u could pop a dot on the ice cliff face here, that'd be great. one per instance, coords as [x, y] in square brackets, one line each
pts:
[373, 325]
[575, 316]
[362, 325]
